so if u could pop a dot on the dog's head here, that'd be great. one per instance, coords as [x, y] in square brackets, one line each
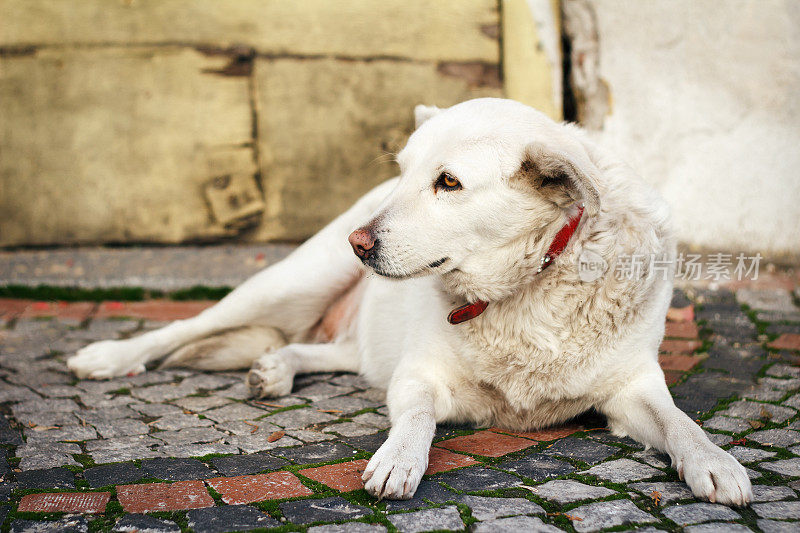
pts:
[484, 187]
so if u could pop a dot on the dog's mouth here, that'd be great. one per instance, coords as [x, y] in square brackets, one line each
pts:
[398, 275]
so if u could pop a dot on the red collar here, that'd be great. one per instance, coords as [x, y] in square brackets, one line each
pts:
[470, 311]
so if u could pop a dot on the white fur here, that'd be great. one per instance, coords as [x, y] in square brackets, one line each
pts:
[547, 348]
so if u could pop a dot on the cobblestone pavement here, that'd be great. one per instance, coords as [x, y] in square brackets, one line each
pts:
[181, 450]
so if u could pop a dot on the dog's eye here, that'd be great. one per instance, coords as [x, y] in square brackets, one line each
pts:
[447, 182]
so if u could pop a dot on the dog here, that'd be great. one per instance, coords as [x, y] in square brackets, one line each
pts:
[460, 292]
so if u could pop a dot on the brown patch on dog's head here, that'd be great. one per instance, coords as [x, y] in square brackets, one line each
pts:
[557, 178]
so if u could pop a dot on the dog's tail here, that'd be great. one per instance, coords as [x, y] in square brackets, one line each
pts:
[232, 349]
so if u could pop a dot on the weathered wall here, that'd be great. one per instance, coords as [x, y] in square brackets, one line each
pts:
[701, 97]
[185, 120]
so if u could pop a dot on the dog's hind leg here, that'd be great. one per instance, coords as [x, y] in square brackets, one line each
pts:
[273, 374]
[290, 296]
[234, 349]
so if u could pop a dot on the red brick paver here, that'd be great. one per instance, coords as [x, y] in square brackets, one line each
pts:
[672, 376]
[65, 502]
[681, 314]
[486, 443]
[681, 330]
[64, 310]
[542, 434]
[343, 476]
[680, 363]
[11, 308]
[679, 346]
[160, 310]
[247, 489]
[787, 341]
[152, 497]
[443, 460]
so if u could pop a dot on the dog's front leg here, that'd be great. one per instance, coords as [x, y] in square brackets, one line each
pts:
[397, 467]
[644, 410]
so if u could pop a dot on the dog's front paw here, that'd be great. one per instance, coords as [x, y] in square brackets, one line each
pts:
[105, 360]
[394, 472]
[716, 476]
[271, 376]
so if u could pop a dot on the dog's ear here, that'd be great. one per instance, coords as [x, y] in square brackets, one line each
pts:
[562, 176]
[423, 113]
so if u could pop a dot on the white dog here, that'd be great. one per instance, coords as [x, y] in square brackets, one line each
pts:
[466, 319]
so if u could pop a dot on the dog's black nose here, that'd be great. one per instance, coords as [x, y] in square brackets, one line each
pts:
[362, 242]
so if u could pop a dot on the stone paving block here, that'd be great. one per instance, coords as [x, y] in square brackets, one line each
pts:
[623, 470]
[779, 300]
[373, 419]
[779, 510]
[775, 437]
[332, 509]
[718, 527]
[157, 409]
[368, 443]
[478, 478]
[186, 451]
[343, 477]
[198, 404]
[669, 491]
[542, 435]
[71, 524]
[140, 523]
[348, 527]
[43, 455]
[247, 489]
[427, 491]
[749, 455]
[785, 384]
[785, 467]
[113, 474]
[538, 467]
[784, 371]
[564, 491]
[653, 458]
[600, 515]
[581, 449]
[122, 427]
[180, 421]
[237, 465]
[726, 423]
[755, 411]
[51, 478]
[774, 526]
[247, 427]
[343, 404]
[445, 518]
[443, 461]
[229, 518]
[175, 469]
[259, 442]
[153, 497]
[65, 502]
[350, 429]
[679, 346]
[772, 493]
[695, 513]
[321, 391]
[486, 443]
[66, 433]
[190, 436]
[677, 362]
[316, 453]
[487, 508]
[297, 418]
[515, 524]
[310, 436]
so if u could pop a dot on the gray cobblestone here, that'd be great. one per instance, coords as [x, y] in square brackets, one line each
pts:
[718, 527]
[780, 510]
[785, 467]
[669, 491]
[600, 515]
[771, 493]
[234, 411]
[121, 427]
[695, 513]
[348, 527]
[180, 421]
[486, 508]
[623, 470]
[776, 437]
[351, 429]
[300, 418]
[755, 410]
[427, 520]
[773, 526]
[567, 491]
[749, 455]
[515, 524]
